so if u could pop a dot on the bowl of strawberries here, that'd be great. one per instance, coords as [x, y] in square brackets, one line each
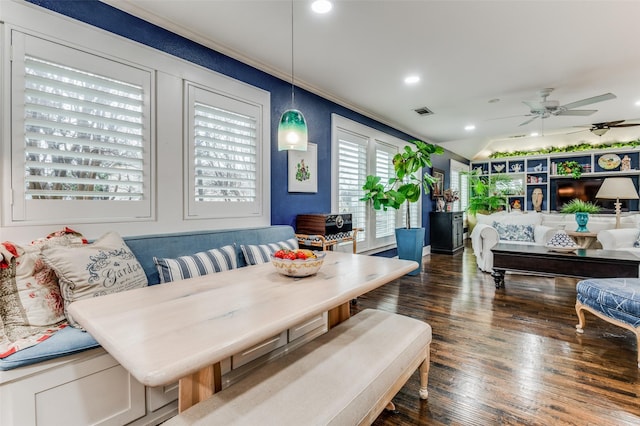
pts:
[297, 263]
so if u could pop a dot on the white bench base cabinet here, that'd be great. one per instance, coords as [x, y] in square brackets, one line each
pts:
[344, 377]
[92, 388]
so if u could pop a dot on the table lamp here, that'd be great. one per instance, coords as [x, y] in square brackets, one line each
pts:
[617, 188]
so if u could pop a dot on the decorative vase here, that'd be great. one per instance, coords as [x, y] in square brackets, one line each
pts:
[410, 243]
[582, 218]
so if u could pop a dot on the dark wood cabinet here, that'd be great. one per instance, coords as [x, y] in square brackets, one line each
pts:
[447, 232]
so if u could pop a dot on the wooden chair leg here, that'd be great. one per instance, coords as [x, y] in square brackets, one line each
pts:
[424, 374]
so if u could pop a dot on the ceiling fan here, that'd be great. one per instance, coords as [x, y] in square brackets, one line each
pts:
[545, 108]
[602, 128]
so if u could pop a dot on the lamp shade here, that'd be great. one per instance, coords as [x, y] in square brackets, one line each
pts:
[618, 188]
[292, 131]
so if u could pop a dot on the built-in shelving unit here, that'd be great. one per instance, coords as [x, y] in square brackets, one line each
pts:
[539, 172]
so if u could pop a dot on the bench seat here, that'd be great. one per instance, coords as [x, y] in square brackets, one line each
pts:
[345, 377]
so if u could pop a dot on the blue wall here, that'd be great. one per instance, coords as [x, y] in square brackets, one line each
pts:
[317, 110]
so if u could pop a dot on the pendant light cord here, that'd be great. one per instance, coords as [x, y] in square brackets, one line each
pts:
[292, 73]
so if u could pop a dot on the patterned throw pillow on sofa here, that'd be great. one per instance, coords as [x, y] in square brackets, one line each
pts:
[508, 232]
[196, 265]
[31, 307]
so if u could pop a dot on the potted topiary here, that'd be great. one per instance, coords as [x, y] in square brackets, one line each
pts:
[402, 189]
[581, 209]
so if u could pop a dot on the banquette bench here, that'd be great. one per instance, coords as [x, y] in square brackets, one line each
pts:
[69, 379]
[344, 377]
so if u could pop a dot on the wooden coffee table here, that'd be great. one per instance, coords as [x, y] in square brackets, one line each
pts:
[583, 263]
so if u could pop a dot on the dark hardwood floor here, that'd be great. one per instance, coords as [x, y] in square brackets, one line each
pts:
[509, 356]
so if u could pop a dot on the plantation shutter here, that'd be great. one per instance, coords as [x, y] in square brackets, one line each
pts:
[224, 155]
[84, 134]
[385, 220]
[352, 174]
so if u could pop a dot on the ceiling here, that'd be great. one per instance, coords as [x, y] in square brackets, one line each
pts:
[465, 52]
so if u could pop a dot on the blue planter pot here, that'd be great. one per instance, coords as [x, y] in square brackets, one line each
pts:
[410, 243]
[582, 219]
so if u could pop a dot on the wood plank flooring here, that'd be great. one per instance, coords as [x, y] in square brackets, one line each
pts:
[509, 356]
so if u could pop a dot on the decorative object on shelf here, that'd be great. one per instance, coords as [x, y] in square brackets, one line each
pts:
[516, 205]
[536, 199]
[562, 242]
[440, 204]
[538, 168]
[581, 209]
[609, 161]
[498, 168]
[292, 130]
[516, 168]
[570, 167]
[405, 188]
[450, 196]
[625, 164]
[618, 188]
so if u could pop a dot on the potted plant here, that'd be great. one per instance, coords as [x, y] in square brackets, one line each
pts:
[572, 168]
[402, 189]
[581, 209]
[485, 197]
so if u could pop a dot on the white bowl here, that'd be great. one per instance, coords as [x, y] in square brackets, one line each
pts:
[299, 267]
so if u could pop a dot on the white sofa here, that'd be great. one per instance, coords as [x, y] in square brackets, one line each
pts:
[485, 236]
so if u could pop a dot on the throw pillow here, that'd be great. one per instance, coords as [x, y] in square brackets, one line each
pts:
[31, 307]
[104, 267]
[257, 254]
[196, 265]
[514, 232]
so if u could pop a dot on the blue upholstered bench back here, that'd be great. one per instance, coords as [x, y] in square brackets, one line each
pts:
[182, 244]
[71, 340]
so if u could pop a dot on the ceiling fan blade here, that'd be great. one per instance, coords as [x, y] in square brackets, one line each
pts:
[608, 123]
[588, 101]
[529, 120]
[576, 112]
[534, 105]
[624, 125]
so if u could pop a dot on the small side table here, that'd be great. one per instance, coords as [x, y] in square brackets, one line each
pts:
[584, 239]
[328, 242]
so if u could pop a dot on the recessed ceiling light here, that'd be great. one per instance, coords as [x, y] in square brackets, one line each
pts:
[412, 79]
[469, 127]
[321, 6]
[637, 103]
[534, 134]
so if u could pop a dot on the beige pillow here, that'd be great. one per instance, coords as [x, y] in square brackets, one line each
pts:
[107, 266]
[31, 307]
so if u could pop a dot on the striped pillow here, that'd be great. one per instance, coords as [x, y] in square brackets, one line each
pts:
[196, 265]
[257, 254]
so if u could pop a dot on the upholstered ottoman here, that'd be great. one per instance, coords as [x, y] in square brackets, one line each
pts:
[615, 300]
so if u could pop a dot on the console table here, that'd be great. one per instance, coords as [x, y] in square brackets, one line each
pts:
[329, 242]
[182, 330]
[583, 263]
[446, 232]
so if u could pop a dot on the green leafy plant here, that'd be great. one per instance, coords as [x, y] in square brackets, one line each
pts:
[579, 206]
[570, 148]
[406, 185]
[485, 195]
[572, 168]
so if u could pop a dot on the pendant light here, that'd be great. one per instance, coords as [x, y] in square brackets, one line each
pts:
[292, 130]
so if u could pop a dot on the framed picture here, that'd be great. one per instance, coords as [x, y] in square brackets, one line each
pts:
[303, 169]
[438, 186]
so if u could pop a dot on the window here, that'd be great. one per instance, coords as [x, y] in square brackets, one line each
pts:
[459, 181]
[359, 151]
[81, 134]
[225, 160]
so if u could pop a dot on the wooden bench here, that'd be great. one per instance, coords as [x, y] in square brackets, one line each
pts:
[344, 377]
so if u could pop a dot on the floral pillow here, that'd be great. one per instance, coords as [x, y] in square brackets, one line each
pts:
[31, 306]
[509, 232]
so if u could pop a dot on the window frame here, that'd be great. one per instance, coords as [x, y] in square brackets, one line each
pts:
[367, 240]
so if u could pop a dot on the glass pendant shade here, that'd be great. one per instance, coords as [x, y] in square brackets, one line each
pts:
[292, 131]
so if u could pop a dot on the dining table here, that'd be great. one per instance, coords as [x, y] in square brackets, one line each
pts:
[181, 331]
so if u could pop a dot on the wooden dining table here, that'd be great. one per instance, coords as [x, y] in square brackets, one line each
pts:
[181, 331]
